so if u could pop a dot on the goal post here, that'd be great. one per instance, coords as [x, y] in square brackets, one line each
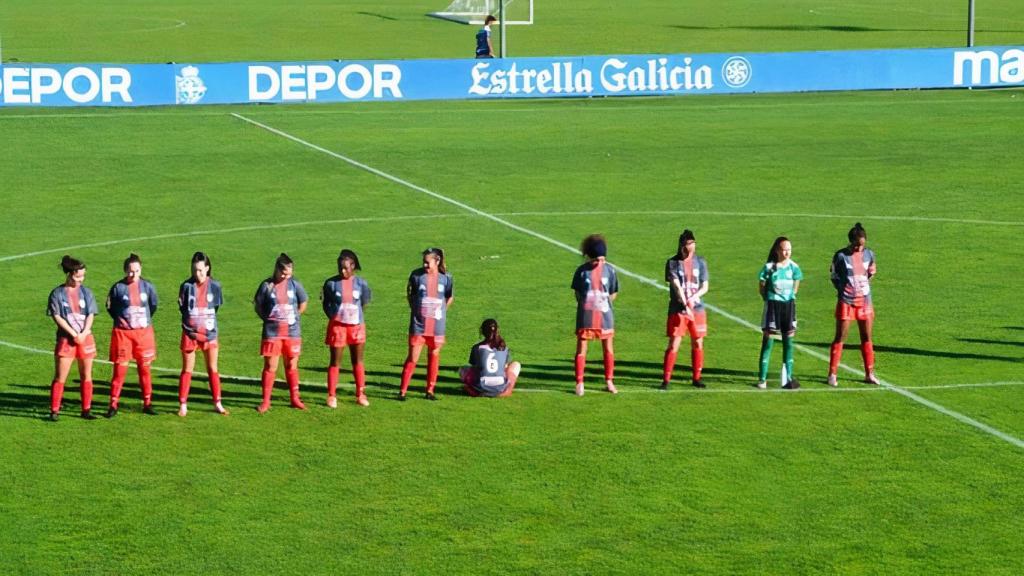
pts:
[517, 12]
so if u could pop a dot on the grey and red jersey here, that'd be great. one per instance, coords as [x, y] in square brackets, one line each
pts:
[690, 273]
[198, 304]
[278, 306]
[490, 364]
[595, 282]
[428, 302]
[851, 275]
[132, 305]
[344, 300]
[74, 305]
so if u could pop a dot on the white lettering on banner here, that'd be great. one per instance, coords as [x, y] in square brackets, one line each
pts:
[557, 78]
[1008, 69]
[81, 85]
[292, 82]
[655, 76]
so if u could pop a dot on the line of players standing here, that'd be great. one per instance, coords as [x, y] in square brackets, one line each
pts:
[280, 301]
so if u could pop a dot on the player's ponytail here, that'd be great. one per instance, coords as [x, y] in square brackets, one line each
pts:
[857, 232]
[489, 330]
[71, 265]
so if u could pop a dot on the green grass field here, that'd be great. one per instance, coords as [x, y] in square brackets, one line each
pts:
[857, 480]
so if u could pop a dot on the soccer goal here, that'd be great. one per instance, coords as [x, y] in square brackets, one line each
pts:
[474, 11]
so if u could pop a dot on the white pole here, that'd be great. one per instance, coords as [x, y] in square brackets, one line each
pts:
[501, 24]
[970, 23]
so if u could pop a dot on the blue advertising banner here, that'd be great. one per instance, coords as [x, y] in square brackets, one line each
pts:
[578, 76]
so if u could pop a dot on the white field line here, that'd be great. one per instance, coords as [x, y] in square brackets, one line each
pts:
[576, 105]
[177, 24]
[597, 389]
[625, 272]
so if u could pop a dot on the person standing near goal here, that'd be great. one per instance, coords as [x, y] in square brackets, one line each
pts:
[344, 297]
[687, 277]
[852, 269]
[596, 286]
[279, 302]
[131, 303]
[199, 298]
[73, 309]
[779, 281]
[429, 293]
[484, 49]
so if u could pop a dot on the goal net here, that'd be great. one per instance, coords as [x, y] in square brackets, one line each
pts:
[474, 11]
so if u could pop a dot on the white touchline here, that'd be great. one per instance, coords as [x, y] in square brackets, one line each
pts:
[643, 279]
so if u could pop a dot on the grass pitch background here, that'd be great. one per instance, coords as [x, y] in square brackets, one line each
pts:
[731, 480]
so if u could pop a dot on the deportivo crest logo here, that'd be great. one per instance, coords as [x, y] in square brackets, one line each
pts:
[189, 87]
[736, 72]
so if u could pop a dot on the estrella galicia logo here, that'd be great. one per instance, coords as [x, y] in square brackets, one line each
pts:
[736, 72]
[189, 87]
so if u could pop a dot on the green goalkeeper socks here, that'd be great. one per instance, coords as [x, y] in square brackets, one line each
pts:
[766, 356]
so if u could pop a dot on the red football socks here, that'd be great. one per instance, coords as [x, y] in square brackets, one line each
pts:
[834, 356]
[407, 371]
[609, 366]
[87, 395]
[669, 365]
[56, 394]
[697, 359]
[214, 385]
[867, 350]
[581, 363]
[433, 360]
[116, 383]
[292, 377]
[332, 381]
[146, 381]
[267, 380]
[359, 371]
[184, 384]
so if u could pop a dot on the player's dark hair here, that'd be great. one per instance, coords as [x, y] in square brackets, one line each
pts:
[132, 258]
[685, 237]
[775, 254]
[202, 257]
[594, 246]
[489, 330]
[439, 254]
[349, 255]
[283, 261]
[857, 232]
[70, 265]
[490, 18]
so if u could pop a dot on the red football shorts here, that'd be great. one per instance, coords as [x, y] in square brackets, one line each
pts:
[594, 334]
[138, 344]
[287, 347]
[188, 345]
[680, 325]
[845, 311]
[432, 342]
[340, 335]
[68, 348]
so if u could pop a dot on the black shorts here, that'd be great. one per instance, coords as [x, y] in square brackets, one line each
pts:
[779, 317]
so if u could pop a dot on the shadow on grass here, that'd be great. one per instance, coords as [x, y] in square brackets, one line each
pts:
[823, 28]
[929, 353]
[986, 341]
[376, 15]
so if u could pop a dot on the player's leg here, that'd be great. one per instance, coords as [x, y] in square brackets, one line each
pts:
[669, 361]
[433, 366]
[188, 364]
[61, 369]
[411, 359]
[211, 354]
[867, 349]
[836, 351]
[291, 375]
[270, 361]
[85, 378]
[333, 368]
[580, 362]
[359, 372]
[767, 342]
[608, 349]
